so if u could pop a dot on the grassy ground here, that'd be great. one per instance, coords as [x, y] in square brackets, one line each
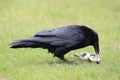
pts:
[22, 18]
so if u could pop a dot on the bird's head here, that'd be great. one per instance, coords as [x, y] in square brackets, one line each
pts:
[92, 38]
[95, 42]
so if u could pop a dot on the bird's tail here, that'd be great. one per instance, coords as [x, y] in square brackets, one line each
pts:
[27, 43]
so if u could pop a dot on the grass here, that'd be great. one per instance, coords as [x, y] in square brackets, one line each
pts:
[22, 18]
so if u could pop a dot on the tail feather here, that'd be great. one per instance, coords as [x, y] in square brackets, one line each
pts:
[27, 42]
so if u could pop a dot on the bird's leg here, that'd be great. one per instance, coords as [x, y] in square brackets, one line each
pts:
[62, 58]
[65, 60]
[60, 52]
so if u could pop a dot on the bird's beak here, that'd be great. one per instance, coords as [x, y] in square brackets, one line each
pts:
[96, 47]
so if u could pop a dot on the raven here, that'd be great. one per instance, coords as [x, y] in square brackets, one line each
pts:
[61, 40]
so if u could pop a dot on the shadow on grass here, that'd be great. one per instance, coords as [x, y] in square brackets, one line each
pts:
[55, 62]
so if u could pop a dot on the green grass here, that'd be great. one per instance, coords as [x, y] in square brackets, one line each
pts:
[22, 18]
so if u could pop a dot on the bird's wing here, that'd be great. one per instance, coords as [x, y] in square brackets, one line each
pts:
[53, 32]
[64, 37]
[51, 37]
[76, 40]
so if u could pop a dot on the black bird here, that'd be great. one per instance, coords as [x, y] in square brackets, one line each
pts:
[61, 40]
